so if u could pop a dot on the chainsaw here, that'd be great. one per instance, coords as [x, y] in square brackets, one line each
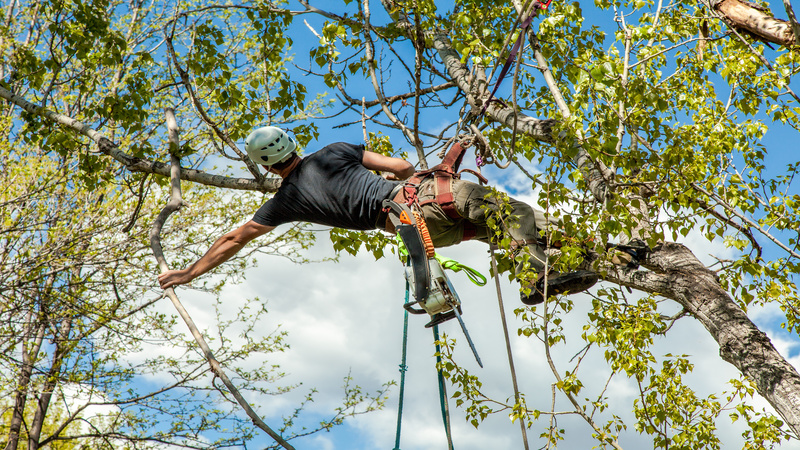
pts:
[434, 294]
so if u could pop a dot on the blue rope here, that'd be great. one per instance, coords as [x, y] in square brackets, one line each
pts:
[442, 390]
[403, 368]
[442, 386]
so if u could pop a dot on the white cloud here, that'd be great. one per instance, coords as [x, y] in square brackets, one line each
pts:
[346, 318]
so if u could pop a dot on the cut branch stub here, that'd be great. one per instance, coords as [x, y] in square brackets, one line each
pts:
[745, 16]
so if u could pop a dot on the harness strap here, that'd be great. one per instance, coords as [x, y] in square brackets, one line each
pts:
[443, 175]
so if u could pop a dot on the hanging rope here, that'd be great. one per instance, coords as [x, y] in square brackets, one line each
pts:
[442, 390]
[403, 369]
[440, 376]
[508, 344]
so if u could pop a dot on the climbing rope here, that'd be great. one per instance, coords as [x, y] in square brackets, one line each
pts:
[442, 387]
[403, 369]
[508, 345]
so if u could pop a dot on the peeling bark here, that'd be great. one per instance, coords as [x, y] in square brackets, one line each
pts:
[744, 16]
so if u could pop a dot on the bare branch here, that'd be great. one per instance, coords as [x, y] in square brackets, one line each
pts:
[173, 205]
[251, 166]
[135, 164]
[787, 4]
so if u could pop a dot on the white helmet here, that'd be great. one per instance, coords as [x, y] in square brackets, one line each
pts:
[269, 145]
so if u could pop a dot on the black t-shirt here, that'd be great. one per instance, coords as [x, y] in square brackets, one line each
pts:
[329, 187]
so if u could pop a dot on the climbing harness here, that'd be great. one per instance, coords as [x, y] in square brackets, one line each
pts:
[433, 291]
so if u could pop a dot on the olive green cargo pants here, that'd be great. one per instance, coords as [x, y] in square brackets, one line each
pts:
[472, 204]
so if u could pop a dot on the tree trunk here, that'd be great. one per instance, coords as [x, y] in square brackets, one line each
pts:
[24, 380]
[677, 274]
[62, 342]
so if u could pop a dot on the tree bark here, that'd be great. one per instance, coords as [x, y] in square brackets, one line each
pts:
[742, 15]
[677, 274]
[43, 403]
[681, 276]
[24, 381]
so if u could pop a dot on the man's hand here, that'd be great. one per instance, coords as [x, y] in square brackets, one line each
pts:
[172, 278]
[222, 250]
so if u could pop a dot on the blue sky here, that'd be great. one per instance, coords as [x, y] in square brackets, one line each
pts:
[347, 318]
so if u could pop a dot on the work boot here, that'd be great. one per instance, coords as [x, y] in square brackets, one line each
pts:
[629, 255]
[557, 284]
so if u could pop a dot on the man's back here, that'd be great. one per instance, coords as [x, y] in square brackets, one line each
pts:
[329, 187]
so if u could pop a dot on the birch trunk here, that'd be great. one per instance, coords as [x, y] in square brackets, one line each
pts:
[677, 274]
[28, 356]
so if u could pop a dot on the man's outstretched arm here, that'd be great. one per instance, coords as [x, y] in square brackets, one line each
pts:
[401, 168]
[222, 250]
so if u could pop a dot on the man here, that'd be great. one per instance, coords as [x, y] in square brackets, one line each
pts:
[336, 186]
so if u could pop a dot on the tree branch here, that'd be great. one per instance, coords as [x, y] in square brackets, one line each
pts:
[135, 164]
[787, 4]
[251, 166]
[678, 275]
[371, 64]
[743, 16]
[173, 205]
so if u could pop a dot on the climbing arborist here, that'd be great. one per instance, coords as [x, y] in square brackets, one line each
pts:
[336, 186]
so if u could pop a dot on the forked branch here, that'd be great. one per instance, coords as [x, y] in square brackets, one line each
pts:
[173, 205]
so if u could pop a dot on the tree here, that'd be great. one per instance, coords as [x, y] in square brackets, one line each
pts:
[80, 330]
[650, 118]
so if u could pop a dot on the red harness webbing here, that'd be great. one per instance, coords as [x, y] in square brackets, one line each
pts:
[443, 175]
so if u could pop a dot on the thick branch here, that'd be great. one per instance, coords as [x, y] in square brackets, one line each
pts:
[139, 164]
[539, 129]
[678, 275]
[744, 16]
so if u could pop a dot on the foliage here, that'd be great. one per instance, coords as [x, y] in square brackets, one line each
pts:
[669, 109]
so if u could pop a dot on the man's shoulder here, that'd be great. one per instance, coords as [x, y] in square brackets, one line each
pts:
[342, 147]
